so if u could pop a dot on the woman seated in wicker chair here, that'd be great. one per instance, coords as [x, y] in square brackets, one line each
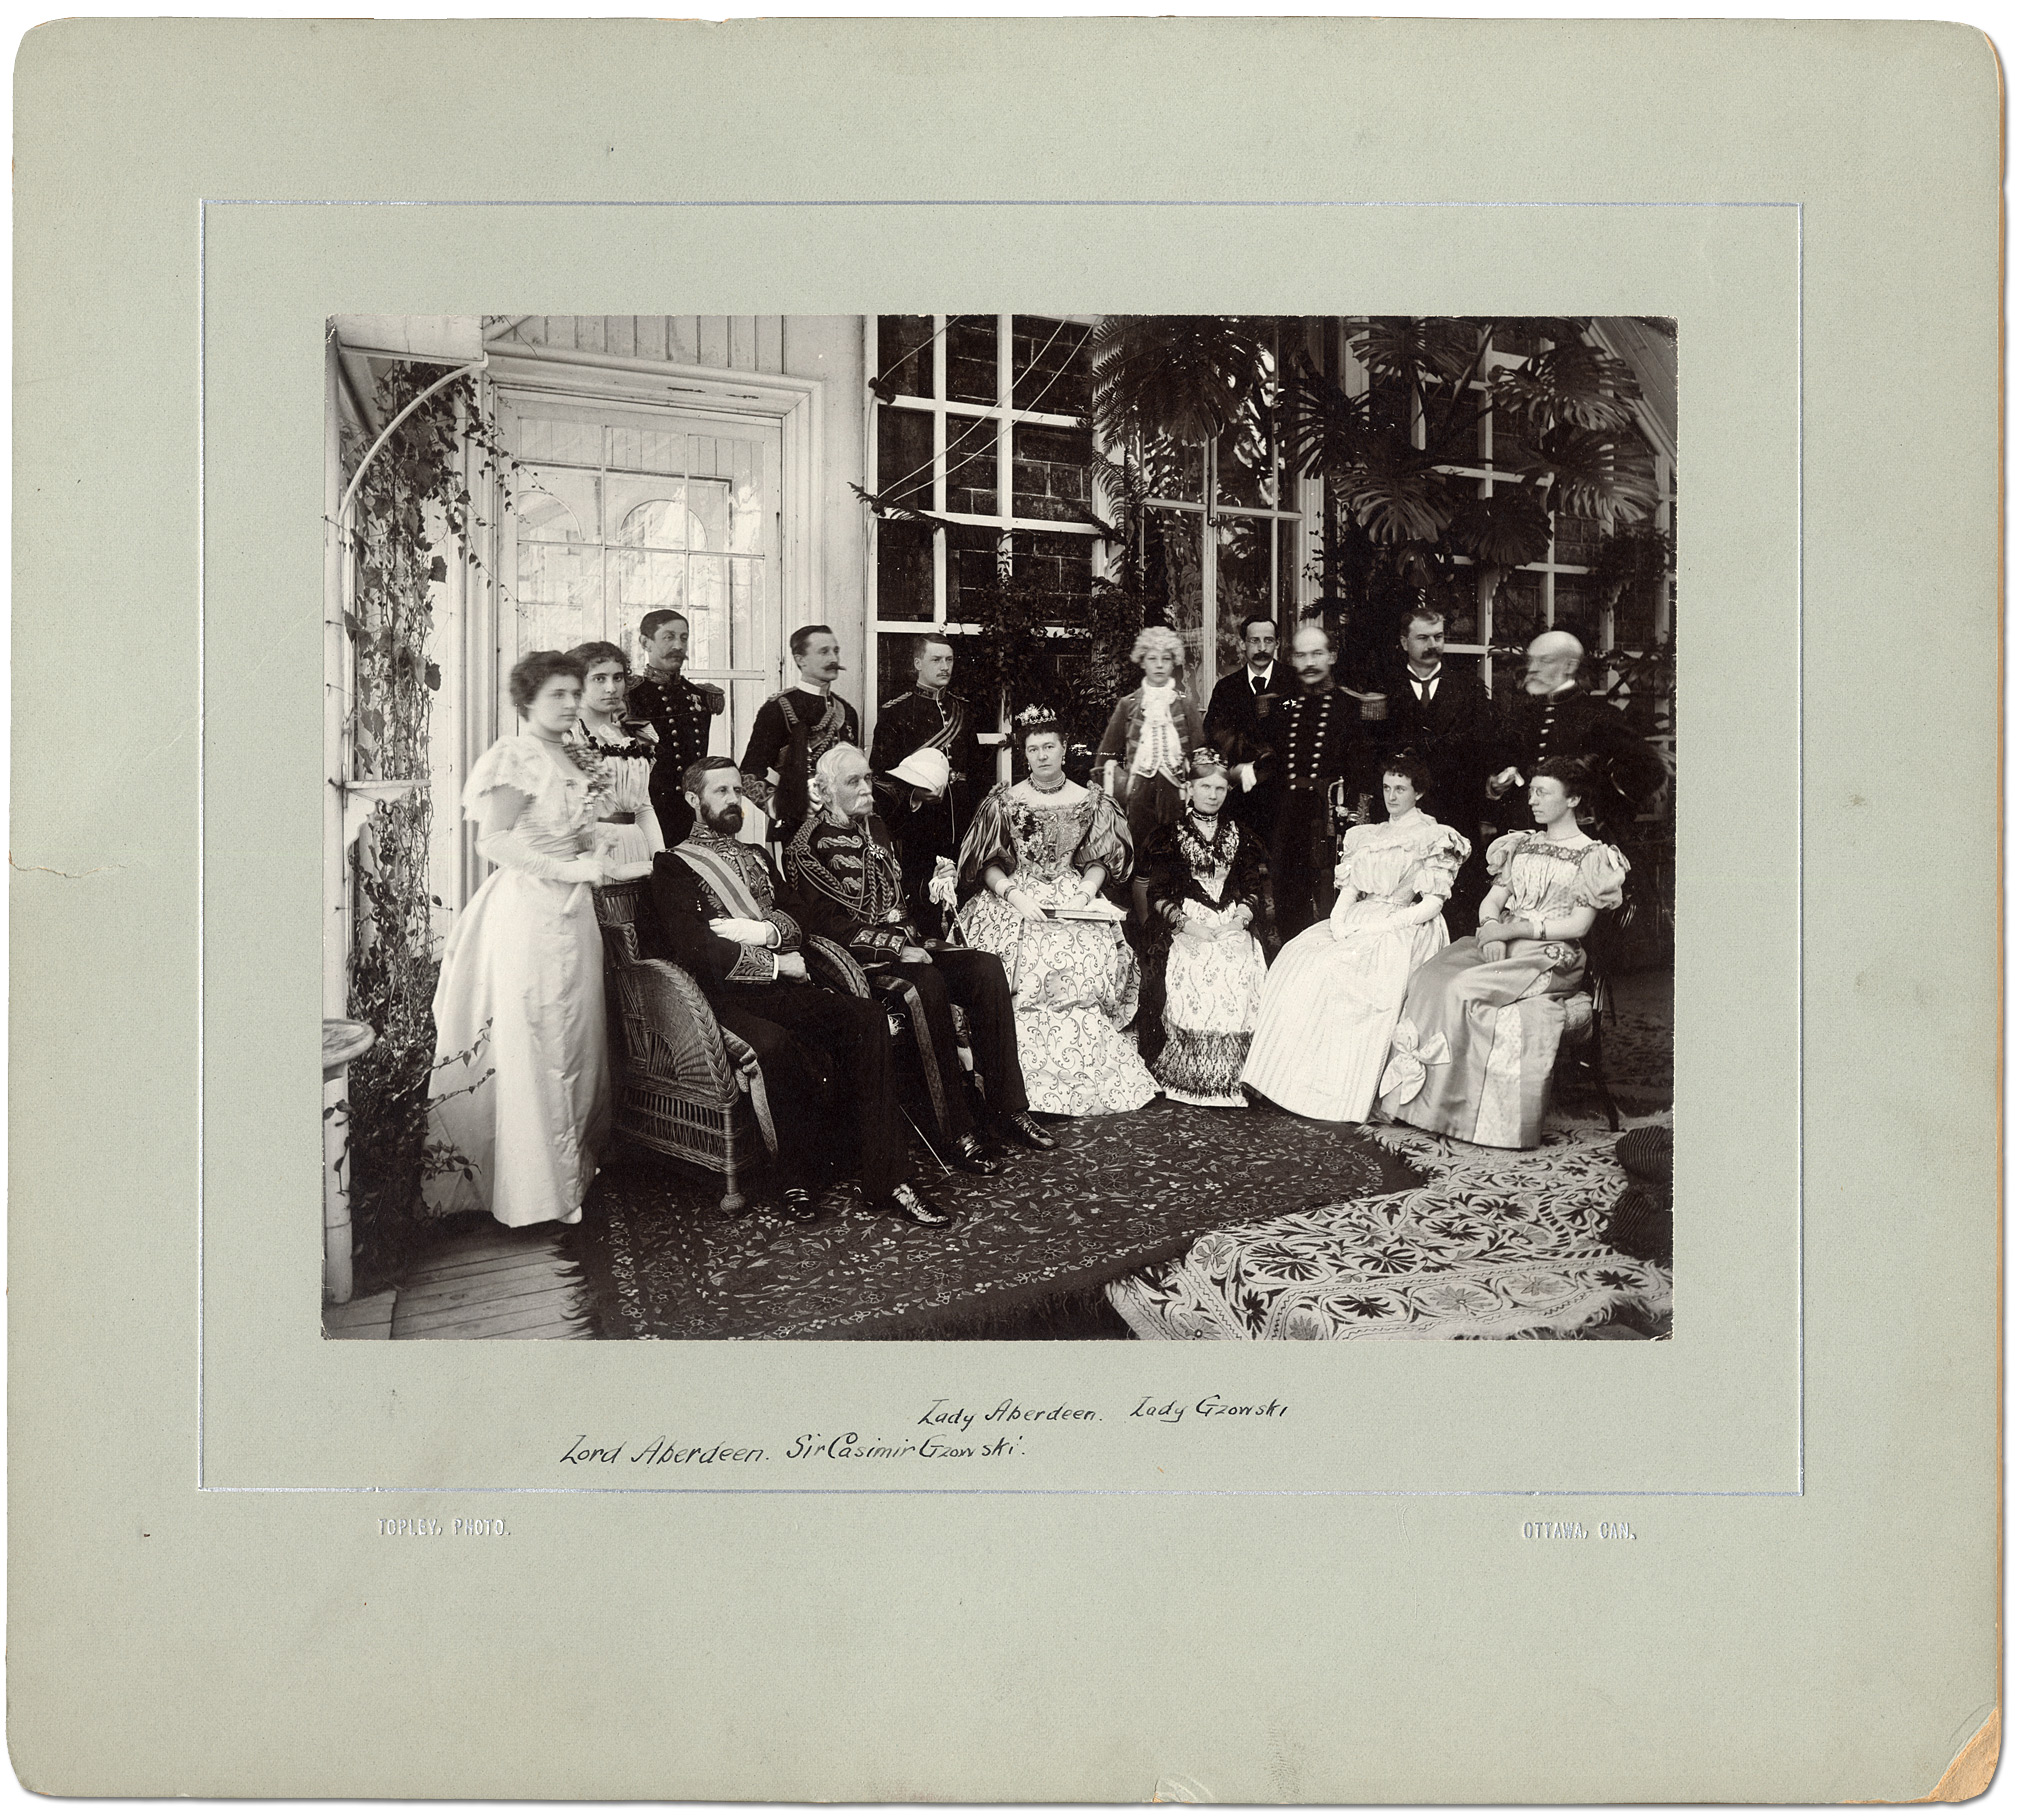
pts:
[1476, 1042]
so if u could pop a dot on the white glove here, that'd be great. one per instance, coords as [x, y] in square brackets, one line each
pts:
[941, 889]
[508, 849]
[1244, 774]
[742, 929]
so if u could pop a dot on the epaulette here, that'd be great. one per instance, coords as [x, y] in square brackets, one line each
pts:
[884, 707]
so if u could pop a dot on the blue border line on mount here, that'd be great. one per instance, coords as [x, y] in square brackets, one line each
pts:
[203, 279]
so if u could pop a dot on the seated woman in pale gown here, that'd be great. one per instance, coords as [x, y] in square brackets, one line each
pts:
[1036, 862]
[617, 753]
[521, 1086]
[1332, 997]
[1206, 882]
[1478, 1036]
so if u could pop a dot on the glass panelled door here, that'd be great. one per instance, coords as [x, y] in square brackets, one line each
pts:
[615, 511]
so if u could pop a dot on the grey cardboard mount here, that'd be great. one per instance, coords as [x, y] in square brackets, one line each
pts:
[1757, 1563]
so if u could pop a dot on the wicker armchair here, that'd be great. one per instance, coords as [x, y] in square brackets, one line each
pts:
[683, 1085]
[1581, 1055]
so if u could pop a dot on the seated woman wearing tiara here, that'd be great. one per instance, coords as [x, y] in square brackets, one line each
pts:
[1331, 1002]
[1206, 880]
[1036, 861]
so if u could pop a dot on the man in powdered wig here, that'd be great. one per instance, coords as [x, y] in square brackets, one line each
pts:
[851, 887]
[724, 913]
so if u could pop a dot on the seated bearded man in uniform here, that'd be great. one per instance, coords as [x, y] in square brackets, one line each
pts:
[724, 914]
[851, 888]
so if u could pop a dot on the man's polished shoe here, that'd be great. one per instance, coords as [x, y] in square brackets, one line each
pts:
[799, 1205]
[912, 1206]
[970, 1155]
[1029, 1132]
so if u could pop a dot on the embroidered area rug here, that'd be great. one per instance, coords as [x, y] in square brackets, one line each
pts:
[1496, 1244]
[1119, 1194]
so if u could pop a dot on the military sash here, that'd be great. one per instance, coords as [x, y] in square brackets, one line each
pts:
[727, 879]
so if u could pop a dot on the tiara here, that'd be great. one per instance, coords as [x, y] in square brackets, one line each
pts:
[1035, 715]
[1206, 756]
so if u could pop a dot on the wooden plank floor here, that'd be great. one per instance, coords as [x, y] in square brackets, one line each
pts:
[493, 1284]
[368, 1318]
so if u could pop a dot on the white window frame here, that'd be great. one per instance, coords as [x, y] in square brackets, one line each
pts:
[1548, 567]
[796, 404]
[1211, 512]
[1006, 416]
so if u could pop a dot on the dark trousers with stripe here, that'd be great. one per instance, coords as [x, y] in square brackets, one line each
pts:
[976, 982]
[829, 1078]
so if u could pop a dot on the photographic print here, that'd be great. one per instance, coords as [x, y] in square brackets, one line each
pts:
[1258, 755]
[1018, 826]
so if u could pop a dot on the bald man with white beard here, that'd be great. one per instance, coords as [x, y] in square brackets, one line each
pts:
[1554, 717]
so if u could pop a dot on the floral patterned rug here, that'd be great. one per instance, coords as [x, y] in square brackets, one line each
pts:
[1495, 1244]
[1119, 1194]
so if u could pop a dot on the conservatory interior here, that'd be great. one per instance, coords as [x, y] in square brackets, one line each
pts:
[1035, 489]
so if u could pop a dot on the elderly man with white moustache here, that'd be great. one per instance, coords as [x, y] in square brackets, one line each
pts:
[1555, 718]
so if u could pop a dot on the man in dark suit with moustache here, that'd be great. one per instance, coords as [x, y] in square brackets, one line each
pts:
[1447, 720]
[680, 710]
[1318, 751]
[1236, 717]
[929, 717]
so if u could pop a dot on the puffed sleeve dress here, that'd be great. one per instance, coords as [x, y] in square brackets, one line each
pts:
[1477, 1039]
[1074, 985]
[520, 1094]
[1331, 1001]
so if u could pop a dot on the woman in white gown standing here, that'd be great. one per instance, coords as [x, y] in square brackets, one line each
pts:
[618, 754]
[521, 1086]
[1331, 1001]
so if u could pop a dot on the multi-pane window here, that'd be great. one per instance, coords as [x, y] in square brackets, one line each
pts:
[1559, 588]
[1224, 531]
[981, 426]
[616, 513]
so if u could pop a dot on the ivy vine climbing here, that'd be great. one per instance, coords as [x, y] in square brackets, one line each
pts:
[414, 507]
